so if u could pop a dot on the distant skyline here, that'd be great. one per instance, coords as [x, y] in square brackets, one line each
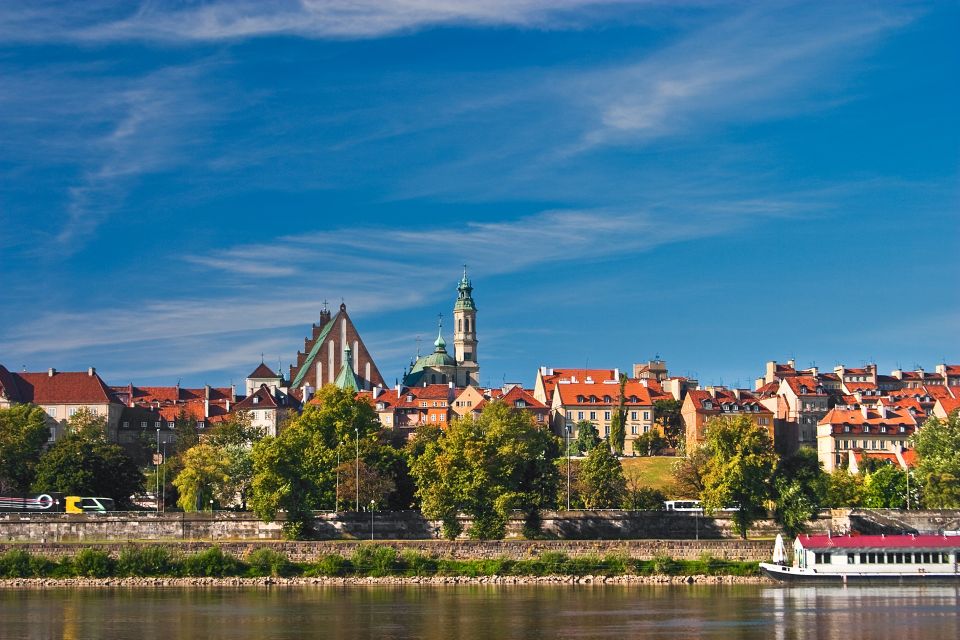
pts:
[182, 185]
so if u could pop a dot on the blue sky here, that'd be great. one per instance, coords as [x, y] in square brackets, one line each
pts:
[183, 184]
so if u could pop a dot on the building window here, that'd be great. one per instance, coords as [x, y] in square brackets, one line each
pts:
[52, 436]
[593, 415]
[156, 425]
[171, 424]
[633, 415]
[569, 415]
[433, 417]
[143, 425]
[52, 412]
[72, 412]
[126, 424]
[579, 415]
[256, 399]
[443, 418]
[633, 429]
[606, 415]
[646, 415]
[201, 424]
[423, 404]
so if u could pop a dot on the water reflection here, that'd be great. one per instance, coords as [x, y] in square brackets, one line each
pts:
[484, 613]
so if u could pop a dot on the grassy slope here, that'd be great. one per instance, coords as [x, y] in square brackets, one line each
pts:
[656, 472]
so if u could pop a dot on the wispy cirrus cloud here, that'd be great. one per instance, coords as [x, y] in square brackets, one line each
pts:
[371, 266]
[99, 21]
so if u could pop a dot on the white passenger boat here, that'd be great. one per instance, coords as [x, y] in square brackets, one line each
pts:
[857, 558]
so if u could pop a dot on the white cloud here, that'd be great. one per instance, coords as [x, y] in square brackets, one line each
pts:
[236, 19]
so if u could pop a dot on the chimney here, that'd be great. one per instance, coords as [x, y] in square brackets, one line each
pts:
[398, 389]
[616, 374]
[377, 390]
[206, 401]
[91, 372]
[863, 411]
[792, 363]
[543, 370]
[814, 372]
[51, 372]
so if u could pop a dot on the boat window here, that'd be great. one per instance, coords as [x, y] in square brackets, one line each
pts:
[907, 558]
[918, 558]
[889, 558]
[872, 558]
[899, 558]
[926, 557]
[880, 558]
[850, 558]
[863, 558]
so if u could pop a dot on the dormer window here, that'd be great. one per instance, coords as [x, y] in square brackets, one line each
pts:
[707, 405]
[256, 399]
[606, 399]
[520, 404]
[846, 428]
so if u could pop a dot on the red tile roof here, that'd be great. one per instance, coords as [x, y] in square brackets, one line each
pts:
[263, 371]
[595, 393]
[265, 400]
[63, 387]
[805, 386]
[8, 385]
[949, 405]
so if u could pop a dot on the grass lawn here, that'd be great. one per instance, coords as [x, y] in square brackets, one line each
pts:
[655, 472]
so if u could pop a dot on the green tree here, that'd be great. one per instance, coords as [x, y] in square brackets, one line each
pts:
[185, 433]
[83, 463]
[205, 478]
[587, 436]
[688, 473]
[294, 471]
[601, 481]
[668, 418]
[738, 470]
[650, 443]
[486, 467]
[799, 488]
[844, 489]
[638, 497]
[937, 444]
[885, 488]
[23, 434]
[235, 438]
[618, 424]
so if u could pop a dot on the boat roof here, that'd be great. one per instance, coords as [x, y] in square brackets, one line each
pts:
[878, 542]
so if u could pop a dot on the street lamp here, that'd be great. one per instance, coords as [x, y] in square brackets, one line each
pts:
[567, 429]
[356, 431]
[156, 459]
[372, 503]
[336, 495]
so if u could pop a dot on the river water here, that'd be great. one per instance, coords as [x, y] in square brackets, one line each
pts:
[484, 613]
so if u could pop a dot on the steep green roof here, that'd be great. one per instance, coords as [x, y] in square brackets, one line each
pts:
[346, 378]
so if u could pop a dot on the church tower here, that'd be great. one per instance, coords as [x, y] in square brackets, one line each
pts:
[465, 334]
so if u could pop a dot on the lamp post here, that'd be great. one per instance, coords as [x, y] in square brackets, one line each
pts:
[156, 494]
[336, 495]
[356, 431]
[372, 503]
[163, 484]
[568, 465]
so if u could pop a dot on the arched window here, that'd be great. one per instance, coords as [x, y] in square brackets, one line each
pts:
[468, 325]
[433, 378]
[460, 325]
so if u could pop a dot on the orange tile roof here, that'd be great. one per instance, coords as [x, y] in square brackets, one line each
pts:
[570, 392]
[810, 383]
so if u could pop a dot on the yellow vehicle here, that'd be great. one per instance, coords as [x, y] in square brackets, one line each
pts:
[77, 504]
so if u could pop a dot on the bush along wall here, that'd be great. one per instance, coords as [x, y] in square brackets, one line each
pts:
[366, 561]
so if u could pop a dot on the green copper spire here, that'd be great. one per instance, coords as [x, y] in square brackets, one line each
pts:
[464, 293]
[440, 343]
[346, 378]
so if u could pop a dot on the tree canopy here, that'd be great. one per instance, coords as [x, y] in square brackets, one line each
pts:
[587, 436]
[82, 462]
[618, 423]
[738, 470]
[485, 467]
[937, 444]
[799, 489]
[23, 433]
[670, 421]
[600, 480]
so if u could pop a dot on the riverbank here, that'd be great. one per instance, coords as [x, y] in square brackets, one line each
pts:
[426, 581]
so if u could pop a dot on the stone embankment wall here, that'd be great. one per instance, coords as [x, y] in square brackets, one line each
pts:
[303, 551]
[411, 525]
[407, 525]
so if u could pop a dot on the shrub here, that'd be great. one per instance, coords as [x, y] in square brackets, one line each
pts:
[15, 564]
[211, 563]
[616, 564]
[375, 560]
[93, 563]
[417, 564]
[550, 563]
[330, 565]
[665, 565]
[269, 562]
[146, 561]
